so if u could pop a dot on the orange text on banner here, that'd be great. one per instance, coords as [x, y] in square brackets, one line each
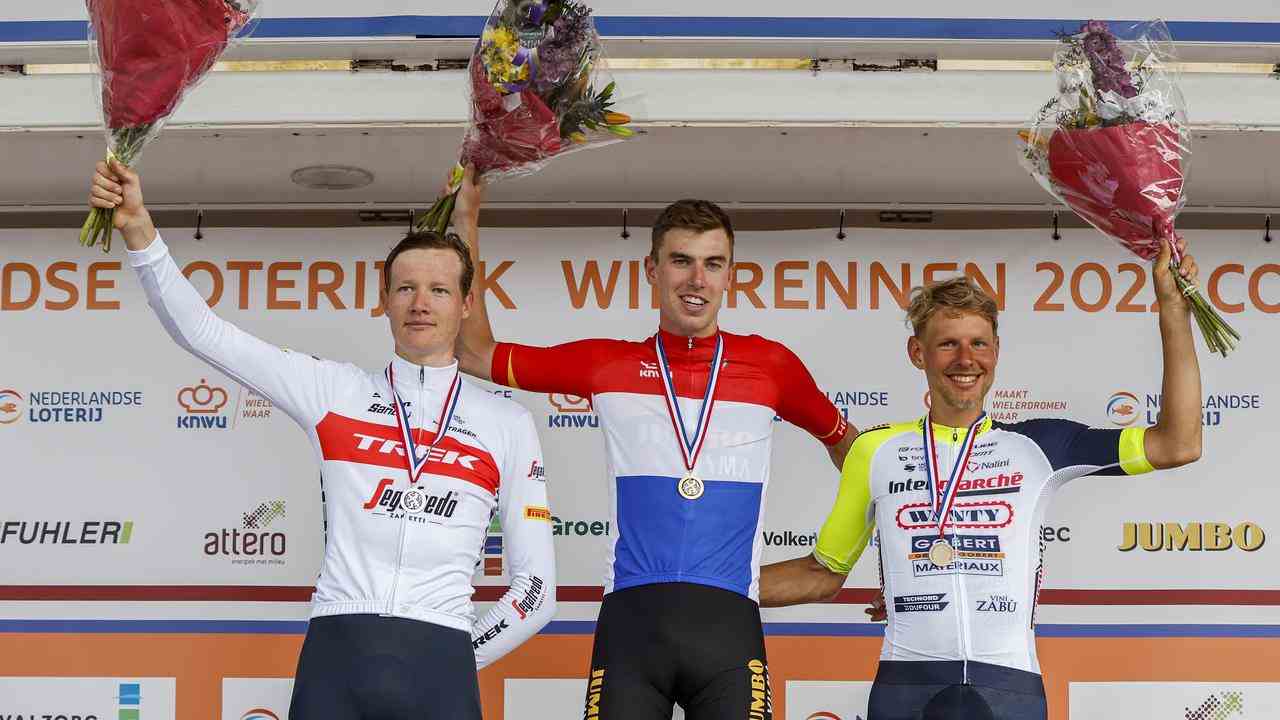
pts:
[293, 285]
[249, 284]
[21, 287]
[796, 284]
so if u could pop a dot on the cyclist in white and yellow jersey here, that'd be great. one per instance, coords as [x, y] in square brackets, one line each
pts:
[958, 500]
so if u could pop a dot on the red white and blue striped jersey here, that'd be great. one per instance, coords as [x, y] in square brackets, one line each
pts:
[661, 536]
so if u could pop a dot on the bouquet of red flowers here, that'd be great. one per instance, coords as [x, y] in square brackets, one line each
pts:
[1113, 145]
[538, 90]
[149, 54]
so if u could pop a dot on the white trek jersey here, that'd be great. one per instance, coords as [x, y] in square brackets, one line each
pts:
[391, 548]
[979, 603]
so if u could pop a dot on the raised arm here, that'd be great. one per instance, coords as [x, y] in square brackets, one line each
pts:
[119, 188]
[563, 368]
[530, 603]
[475, 343]
[292, 381]
[1176, 438]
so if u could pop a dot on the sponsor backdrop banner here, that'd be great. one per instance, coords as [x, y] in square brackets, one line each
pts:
[132, 471]
[810, 700]
[140, 465]
[256, 698]
[526, 697]
[1175, 700]
[83, 698]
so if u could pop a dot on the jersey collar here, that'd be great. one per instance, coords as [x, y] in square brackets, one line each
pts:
[945, 432]
[680, 343]
[410, 376]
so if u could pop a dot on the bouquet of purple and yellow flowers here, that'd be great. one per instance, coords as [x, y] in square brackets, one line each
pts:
[538, 90]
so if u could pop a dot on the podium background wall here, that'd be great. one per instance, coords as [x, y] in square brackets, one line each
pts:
[162, 584]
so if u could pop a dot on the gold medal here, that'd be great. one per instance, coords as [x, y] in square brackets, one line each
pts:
[941, 554]
[690, 487]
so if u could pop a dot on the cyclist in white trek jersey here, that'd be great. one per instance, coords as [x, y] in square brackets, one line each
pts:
[415, 461]
[957, 501]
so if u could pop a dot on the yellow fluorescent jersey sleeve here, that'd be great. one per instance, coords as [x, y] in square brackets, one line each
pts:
[848, 528]
[1133, 451]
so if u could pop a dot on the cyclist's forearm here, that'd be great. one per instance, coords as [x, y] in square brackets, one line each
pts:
[840, 450]
[796, 581]
[475, 341]
[1176, 438]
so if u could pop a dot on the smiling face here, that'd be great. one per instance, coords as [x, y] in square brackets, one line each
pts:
[691, 272]
[425, 304]
[958, 352]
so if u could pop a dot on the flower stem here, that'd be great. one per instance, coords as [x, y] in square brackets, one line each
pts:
[1217, 333]
[437, 219]
[126, 144]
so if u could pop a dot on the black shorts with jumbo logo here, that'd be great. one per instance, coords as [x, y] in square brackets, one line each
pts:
[668, 643]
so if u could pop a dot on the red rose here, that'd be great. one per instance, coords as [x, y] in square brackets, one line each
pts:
[1126, 180]
[503, 139]
[151, 51]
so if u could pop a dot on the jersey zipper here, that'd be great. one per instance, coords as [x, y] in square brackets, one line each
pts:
[404, 515]
[962, 597]
[963, 608]
[684, 523]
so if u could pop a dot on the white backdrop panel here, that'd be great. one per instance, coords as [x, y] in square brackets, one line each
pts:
[184, 490]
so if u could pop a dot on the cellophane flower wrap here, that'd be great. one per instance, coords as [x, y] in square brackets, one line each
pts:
[538, 89]
[149, 54]
[1113, 145]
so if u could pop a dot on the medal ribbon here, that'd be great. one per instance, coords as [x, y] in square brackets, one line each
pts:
[944, 497]
[415, 463]
[690, 448]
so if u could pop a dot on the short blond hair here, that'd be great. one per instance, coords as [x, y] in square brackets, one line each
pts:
[958, 294]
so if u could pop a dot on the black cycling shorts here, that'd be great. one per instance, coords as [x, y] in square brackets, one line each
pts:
[947, 690]
[370, 667]
[695, 645]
